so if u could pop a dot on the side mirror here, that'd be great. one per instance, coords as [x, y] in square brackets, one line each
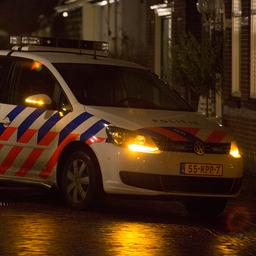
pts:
[38, 100]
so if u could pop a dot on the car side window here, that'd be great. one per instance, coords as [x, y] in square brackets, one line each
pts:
[32, 77]
[4, 75]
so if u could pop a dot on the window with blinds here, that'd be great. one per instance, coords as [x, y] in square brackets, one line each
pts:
[236, 50]
[253, 49]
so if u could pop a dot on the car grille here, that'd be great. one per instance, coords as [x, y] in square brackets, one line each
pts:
[181, 184]
[178, 146]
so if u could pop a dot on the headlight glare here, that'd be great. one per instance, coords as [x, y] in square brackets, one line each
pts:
[234, 150]
[132, 140]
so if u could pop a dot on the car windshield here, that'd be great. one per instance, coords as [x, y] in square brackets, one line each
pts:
[115, 86]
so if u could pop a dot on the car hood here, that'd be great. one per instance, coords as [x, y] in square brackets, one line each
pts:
[175, 124]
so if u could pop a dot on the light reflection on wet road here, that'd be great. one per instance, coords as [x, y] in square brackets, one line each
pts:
[37, 223]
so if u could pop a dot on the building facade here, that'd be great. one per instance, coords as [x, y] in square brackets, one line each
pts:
[239, 85]
[127, 26]
[144, 31]
[137, 30]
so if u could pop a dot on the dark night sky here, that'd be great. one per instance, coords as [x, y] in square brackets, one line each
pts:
[21, 16]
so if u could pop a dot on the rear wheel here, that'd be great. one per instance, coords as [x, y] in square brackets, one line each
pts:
[205, 207]
[80, 180]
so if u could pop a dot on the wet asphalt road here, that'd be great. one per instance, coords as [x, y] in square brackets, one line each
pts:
[37, 222]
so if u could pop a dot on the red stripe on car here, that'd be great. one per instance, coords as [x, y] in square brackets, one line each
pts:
[35, 154]
[8, 161]
[29, 163]
[15, 151]
[94, 139]
[45, 173]
[47, 139]
[8, 132]
[170, 134]
[28, 134]
[216, 136]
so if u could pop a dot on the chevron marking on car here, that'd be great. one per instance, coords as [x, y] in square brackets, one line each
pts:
[95, 139]
[45, 137]
[185, 133]
[29, 163]
[167, 133]
[93, 130]
[15, 112]
[7, 133]
[28, 122]
[15, 151]
[216, 136]
[35, 154]
[182, 134]
[24, 135]
[70, 127]
[53, 160]
[11, 116]
[48, 125]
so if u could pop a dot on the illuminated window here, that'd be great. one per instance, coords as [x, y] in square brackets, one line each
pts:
[236, 34]
[253, 49]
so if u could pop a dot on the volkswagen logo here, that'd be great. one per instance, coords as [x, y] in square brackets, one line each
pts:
[199, 148]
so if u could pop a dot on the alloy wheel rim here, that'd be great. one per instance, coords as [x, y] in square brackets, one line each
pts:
[77, 180]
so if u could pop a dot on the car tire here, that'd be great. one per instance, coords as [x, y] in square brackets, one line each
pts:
[206, 208]
[81, 181]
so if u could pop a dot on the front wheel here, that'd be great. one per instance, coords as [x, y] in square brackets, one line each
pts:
[205, 207]
[80, 180]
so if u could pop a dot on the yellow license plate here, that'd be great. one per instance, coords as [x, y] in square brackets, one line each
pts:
[195, 169]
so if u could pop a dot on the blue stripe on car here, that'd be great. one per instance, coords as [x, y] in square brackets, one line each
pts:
[16, 111]
[73, 125]
[12, 115]
[29, 121]
[94, 129]
[48, 125]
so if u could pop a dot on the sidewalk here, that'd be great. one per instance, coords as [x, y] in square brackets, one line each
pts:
[248, 190]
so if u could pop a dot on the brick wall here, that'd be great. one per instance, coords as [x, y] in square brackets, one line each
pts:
[242, 123]
[239, 113]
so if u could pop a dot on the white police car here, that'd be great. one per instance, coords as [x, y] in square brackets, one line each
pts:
[92, 125]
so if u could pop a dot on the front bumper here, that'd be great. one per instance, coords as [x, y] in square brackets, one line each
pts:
[182, 184]
[130, 173]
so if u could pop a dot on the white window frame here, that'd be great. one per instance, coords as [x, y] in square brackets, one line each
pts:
[253, 51]
[236, 47]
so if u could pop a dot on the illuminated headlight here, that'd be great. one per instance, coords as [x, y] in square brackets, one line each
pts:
[234, 150]
[132, 140]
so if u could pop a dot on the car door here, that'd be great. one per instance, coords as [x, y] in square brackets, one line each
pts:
[33, 138]
[8, 113]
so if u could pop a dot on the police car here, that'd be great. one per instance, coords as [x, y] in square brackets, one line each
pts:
[90, 125]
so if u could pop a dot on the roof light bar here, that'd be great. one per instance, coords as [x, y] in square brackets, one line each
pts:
[63, 43]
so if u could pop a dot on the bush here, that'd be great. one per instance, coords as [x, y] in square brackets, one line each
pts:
[193, 65]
